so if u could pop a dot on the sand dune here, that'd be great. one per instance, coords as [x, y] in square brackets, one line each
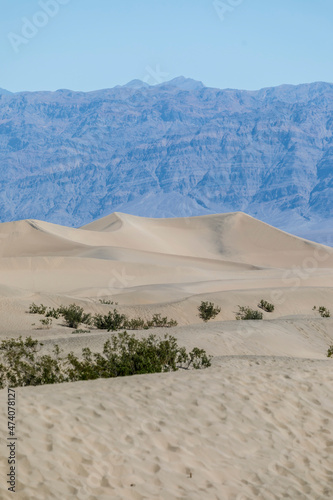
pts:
[234, 236]
[254, 425]
[158, 262]
[120, 252]
[251, 428]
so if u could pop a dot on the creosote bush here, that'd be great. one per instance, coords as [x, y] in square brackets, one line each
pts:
[136, 324]
[330, 351]
[34, 309]
[266, 306]
[112, 321]
[246, 313]
[46, 323]
[207, 311]
[157, 321]
[21, 363]
[324, 312]
[109, 302]
[74, 315]
[53, 313]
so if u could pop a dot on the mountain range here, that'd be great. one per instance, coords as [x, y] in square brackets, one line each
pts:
[175, 149]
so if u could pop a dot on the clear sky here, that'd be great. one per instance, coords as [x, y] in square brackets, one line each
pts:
[94, 44]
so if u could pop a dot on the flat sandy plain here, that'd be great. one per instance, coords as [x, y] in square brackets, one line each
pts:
[257, 424]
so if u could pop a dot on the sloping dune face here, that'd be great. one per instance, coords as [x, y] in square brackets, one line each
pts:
[234, 236]
[156, 260]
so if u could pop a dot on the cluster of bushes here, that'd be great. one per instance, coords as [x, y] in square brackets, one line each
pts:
[115, 321]
[21, 364]
[246, 313]
[323, 311]
[74, 315]
[208, 310]
[109, 302]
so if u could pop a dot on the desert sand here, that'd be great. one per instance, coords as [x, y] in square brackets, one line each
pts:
[256, 424]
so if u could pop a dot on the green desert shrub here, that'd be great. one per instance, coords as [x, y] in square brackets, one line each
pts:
[80, 331]
[324, 313]
[125, 355]
[266, 306]
[208, 310]
[35, 309]
[136, 324]
[74, 315]
[330, 351]
[46, 323]
[109, 302]
[21, 363]
[157, 321]
[246, 313]
[115, 321]
[111, 322]
[53, 313]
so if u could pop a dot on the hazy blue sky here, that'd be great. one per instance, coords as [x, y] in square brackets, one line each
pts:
[93, 44]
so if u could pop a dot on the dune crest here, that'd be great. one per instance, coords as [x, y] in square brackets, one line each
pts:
[220, 252]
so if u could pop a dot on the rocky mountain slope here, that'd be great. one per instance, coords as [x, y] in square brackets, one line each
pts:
[175, 149]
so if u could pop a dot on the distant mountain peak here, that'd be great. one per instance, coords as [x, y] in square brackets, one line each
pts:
[70, 157]
[184, 83]
[5, 92]
[136, 84]
[181, 82]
